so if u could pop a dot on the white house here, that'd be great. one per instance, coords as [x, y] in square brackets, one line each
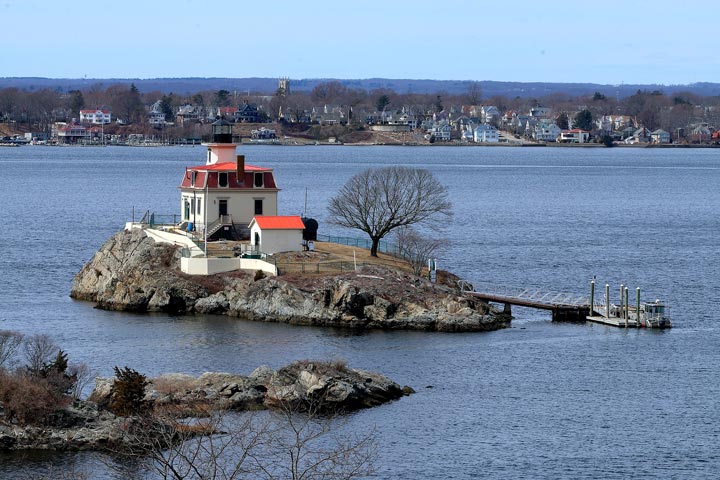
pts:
[225, 194]
[156, 117]
[485, 134]
[490, 113]
[575, 135]
[442, 131]
[96, 117]
[272, 234]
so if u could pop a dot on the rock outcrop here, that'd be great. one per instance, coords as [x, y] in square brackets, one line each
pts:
[320, 387]
[324, 386]
[81, 426]
[132, 272]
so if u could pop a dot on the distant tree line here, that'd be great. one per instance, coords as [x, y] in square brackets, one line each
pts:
[38, 109]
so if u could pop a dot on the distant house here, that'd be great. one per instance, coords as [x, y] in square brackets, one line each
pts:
[546, 132]
[273, 234]
[700, 133]
[188, 114]
[489, 114]
[575, 135]
[328, 116]
[247, 113]
[485, 134]
[460, 123]
[263, 134]
[441, 131]
[604, 124]
[98, 116]
[156, 117]
[628, 132]
[69, 133]
[659, 136]
[227, 112]
[540, 112]
[621, 121]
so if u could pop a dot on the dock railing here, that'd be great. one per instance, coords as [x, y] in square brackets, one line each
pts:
[535, 295]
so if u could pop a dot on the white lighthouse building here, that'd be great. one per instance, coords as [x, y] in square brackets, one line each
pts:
[220, 198]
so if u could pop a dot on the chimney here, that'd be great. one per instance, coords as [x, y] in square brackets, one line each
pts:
[240, 168]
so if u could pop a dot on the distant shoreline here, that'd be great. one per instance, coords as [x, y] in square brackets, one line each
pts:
[437, 144]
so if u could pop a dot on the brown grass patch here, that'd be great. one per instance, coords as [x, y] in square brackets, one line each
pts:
[327, 258]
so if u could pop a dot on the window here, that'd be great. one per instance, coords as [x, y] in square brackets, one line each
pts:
[258, 206]
[199, 209]
[223, 179]
[193, 175]
[192, 205]
[259, 180]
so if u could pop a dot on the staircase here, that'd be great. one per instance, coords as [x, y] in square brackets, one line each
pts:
[224, 220]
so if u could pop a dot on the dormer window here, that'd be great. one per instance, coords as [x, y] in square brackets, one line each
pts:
[259, 180]
[223, 179]
[193, 176]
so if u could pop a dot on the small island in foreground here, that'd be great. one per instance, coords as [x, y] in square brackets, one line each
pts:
[121, 408]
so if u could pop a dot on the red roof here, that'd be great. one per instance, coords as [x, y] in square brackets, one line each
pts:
[228, 167]
[280, 222]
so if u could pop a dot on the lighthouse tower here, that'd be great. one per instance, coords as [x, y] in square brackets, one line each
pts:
[221, 197]
[222, 148]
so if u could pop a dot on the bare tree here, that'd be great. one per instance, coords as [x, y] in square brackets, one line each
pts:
[474, 93]
[39, 350]
[82, 375]
[9, 343]
[282, 444]
[416, 248]
[307, 445]
[379, 201]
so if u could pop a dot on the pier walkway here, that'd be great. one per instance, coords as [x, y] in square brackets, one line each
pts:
[564, 306]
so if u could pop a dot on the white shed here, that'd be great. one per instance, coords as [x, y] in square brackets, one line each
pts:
[272, 234]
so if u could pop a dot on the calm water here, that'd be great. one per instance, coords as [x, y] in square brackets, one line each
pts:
[539, 400]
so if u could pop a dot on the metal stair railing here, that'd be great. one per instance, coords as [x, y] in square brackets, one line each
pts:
[219, 223]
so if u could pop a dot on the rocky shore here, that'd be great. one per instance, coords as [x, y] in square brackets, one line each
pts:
[131, 272]
[323, 386]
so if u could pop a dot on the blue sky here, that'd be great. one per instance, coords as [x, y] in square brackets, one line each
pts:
[602, 42]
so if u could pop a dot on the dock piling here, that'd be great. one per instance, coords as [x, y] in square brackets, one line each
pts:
[626, 306]
[637, 307]
[607, 301]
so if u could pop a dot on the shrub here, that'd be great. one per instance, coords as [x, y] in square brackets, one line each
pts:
[259, 275]
[127, 396]
[30, 400]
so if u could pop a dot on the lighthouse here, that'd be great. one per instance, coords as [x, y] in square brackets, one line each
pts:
[221, 197]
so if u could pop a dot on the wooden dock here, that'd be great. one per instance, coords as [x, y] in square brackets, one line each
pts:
[612, 321]
[573, 308]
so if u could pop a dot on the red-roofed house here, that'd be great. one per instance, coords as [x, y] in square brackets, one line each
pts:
[272, 234]
[225, 194]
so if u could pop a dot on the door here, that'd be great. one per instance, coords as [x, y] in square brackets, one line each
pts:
[223, 207]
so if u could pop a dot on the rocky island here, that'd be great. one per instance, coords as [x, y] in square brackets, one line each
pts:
[131, 272]
[93, 424]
